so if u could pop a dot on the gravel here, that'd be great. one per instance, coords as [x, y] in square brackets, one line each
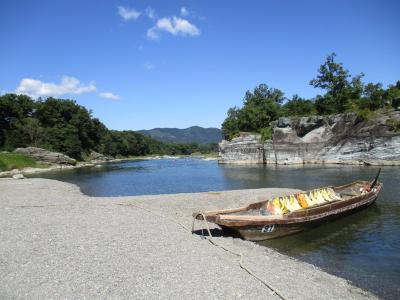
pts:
[57, 243]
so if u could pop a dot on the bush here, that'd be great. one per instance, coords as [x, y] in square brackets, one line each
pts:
[394, 124]
[266, 133]
[298, 106]
[366, 114]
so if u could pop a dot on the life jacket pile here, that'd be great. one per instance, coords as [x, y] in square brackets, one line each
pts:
[286, 204]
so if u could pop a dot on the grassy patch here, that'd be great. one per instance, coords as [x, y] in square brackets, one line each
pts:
[211, 155]
[366, 114]
[9, 161]
[394, 124]
[266, 133]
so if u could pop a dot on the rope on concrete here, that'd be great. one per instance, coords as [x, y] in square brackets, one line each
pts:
[157, 214]
[241, 264]
[213, 242]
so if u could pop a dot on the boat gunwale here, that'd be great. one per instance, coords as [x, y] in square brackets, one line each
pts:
[222, 217]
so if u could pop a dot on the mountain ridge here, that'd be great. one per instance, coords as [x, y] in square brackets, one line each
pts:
[192, 134]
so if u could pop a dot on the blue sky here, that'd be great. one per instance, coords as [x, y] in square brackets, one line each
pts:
[144, 64]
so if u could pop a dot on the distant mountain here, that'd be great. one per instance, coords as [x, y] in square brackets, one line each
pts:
[194, 134]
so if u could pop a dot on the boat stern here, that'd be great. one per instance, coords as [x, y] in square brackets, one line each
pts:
[208, 216]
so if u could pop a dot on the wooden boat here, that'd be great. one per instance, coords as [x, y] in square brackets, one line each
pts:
[253, 226]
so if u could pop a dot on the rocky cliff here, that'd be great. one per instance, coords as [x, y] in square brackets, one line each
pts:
[338, 139]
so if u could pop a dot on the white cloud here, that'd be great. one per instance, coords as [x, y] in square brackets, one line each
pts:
[68, 85]
[184, 11]
[151, 13]
[148, 66]
[109, 95]
[175, 25]
[128, 13]
[152, 33]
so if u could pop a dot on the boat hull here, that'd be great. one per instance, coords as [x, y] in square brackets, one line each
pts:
[272, 231]
[251, 225]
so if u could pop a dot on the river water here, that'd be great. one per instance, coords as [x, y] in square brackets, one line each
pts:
[363, 248]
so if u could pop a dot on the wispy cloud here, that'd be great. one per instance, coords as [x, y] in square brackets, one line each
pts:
[68, 85]
[109, 95]
[128, 13]
[151, 13]
[148, 66]
[175, 26]
[184, 11]
[152, 33]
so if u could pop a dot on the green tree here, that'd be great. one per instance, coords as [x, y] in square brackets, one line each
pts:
[260, 107]
[298, 106]
[33, 130]
[325, 105]
[71, 125]
[334, 78]
[393, 92]
[230, 126]
[64, 126]
[373, 96]
[13, 110]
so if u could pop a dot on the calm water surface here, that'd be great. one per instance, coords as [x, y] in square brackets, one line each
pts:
[363, 247]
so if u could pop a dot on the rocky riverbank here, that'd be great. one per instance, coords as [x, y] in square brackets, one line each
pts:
[47, 161]
[336, 139]
[53, 161]
[17, 173]
[58, 243]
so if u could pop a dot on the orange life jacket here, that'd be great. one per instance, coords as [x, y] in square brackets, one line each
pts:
[302, 200]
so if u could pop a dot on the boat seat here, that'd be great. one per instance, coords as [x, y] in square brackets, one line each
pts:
[348, 194]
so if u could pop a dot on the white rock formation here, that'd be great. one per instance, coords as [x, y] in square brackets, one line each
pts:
[339, 139]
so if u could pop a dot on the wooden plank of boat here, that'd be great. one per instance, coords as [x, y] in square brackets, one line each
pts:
[304, 215]
[253, 226]
[275, 229]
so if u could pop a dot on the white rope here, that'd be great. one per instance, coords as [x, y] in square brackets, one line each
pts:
[157, 214]
[241, 264]
[213, 242]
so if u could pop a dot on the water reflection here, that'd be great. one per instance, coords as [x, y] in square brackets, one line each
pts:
[346, 233]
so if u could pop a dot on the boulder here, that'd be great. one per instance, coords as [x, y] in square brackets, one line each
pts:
[285, 135]
[284, 122]
[246, 148]
[18, 176]
[46, 156]
[98, 157]
[307, 124]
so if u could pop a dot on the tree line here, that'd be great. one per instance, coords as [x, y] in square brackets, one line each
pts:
[64, 126]
[343, 93]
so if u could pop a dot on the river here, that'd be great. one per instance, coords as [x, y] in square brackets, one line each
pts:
[363, 248]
